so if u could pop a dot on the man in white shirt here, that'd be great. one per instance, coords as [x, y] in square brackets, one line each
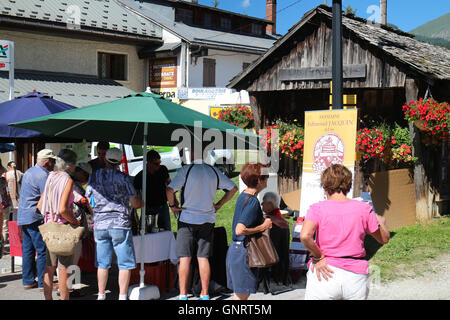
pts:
[198, 183]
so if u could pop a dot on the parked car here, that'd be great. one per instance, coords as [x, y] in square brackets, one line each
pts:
[171, 157]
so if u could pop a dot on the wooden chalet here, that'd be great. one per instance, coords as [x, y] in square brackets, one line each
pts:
[384, 67]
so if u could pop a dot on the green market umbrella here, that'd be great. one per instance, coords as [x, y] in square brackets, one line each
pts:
[123, 121]
[128, 120]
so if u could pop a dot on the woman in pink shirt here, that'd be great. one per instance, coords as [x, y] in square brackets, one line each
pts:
[338, 253]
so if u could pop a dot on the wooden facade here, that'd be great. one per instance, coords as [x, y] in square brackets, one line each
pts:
[384, 67]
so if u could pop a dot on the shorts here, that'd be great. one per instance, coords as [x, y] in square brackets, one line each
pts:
[344, 285]
[193, 238]
[118, 240]
[241, 278]
[54, 260]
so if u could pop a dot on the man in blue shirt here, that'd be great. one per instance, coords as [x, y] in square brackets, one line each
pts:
[112, 191]
[28, 216]
[198, 184]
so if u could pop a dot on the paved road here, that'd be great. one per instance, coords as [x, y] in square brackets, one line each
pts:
[11, 287]
[432, 285]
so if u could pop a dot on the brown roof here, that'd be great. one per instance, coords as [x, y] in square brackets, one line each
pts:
[429, 60]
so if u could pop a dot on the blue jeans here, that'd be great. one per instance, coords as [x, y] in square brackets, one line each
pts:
[32, 243]
[118, 240]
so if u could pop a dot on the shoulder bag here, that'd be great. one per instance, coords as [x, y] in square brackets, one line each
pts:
[260, 250]
[61, 239]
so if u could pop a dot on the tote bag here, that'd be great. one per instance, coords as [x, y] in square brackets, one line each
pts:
[60, 239]
[260, 250]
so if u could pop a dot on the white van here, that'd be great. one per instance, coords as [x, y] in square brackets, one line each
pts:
[170, 157]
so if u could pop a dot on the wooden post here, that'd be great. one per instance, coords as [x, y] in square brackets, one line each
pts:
[337, 66]
[383, 5]
[256, 110]
[423, 213]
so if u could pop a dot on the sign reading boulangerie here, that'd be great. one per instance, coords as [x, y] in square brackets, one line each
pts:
[330, 138]
[163, 73]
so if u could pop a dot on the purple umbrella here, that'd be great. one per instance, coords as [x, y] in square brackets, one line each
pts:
[31, 105]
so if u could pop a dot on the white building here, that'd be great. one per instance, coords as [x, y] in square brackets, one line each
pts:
[204, 48]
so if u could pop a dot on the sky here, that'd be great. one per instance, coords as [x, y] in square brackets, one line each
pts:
[405, 14]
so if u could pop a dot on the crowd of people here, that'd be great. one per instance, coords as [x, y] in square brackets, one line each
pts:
[98, 196]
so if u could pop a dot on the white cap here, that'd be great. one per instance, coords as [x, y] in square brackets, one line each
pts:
[46, 154]
[114, 156]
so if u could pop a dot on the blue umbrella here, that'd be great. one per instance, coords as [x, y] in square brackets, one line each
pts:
[7, 147]
[31, 105]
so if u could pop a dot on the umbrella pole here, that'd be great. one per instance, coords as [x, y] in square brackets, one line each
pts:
[144, 197]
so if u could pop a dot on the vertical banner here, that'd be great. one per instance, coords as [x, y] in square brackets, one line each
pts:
[330, 138]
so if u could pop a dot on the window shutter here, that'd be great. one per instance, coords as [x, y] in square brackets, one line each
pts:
[209, 72]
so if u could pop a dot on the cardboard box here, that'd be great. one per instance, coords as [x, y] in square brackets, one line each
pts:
[292, 199]
[393, 196]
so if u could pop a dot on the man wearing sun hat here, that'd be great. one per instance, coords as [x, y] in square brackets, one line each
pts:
[112, 190]
[28, 216]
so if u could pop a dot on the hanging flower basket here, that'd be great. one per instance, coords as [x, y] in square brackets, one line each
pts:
[434, 118]
[420, 124]
[239, 116]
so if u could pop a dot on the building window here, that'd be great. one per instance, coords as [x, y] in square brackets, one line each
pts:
[208, 20]
[184, 15]
[256, 29]
[209, 72]
[112, 66]
[225, 23]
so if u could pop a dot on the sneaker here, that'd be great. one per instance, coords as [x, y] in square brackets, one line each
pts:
[204, 297]
[182, 298]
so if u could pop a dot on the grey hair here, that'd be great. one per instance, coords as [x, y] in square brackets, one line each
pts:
[42, 161]
[65, 159]
[273, 198]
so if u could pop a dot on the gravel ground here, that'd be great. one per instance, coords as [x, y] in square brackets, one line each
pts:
[431, 285]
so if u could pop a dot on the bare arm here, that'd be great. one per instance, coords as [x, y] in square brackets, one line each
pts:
[137, 203]
[64, 204]
[39, 205]
[173, 202]
[382, 234]
[242, 230]
[319, 261]
[307, 238]
[227, 197]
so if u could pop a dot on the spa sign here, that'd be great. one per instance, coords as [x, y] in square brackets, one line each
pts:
[330, 138]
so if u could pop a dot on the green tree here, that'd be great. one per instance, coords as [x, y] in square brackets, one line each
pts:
[350, 11]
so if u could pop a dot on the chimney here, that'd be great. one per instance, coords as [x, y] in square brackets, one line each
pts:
[271, 14]
[383, 5]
